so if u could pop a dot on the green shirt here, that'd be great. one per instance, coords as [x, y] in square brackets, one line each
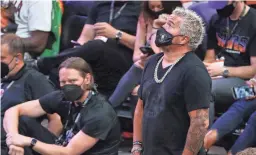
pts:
[57, 10]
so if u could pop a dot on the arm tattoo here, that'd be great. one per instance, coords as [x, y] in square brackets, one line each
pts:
[197, 130]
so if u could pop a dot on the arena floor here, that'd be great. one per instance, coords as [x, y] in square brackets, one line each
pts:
[126, 147]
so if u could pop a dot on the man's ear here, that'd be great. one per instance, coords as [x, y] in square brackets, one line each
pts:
[185, 40]
[18, 58]
[88, 78]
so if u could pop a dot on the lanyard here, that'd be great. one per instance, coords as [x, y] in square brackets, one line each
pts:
[230, 33]
[63, 134]
[234, 28]
[112, 16]
[9, 85]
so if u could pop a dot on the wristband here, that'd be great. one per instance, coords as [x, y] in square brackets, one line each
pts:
[137, 143]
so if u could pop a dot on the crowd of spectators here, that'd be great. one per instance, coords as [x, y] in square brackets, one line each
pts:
[110, 62]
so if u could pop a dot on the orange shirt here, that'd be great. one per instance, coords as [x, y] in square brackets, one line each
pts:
[251, 2]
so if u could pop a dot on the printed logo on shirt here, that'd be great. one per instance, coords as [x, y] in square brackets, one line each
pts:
[235, 45]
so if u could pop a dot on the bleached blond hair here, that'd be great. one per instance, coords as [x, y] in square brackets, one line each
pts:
[191, 26]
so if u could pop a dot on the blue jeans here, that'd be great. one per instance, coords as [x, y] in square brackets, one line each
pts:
[231, 119]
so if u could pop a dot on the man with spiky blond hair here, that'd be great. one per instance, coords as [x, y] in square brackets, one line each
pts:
[171, 116]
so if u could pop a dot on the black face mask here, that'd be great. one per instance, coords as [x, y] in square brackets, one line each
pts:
[164, 38]
[4, 69]
[154, 14]
[226, 11]
[72, 92]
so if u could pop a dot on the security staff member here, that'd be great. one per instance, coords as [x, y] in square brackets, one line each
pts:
[21, 84]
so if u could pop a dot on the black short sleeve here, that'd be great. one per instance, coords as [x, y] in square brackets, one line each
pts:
[51, 102]
[142, 79]
[211, 34]
[252, 47]
[92, 14]
[37, 85]
[197, 93]
[98, 126]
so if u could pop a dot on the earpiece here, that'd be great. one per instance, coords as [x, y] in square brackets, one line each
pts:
[16, 59]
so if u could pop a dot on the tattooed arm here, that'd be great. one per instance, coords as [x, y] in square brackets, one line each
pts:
[199, 122]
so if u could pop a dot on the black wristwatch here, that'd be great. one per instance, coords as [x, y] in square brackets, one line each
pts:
[225, 73]
[33, 142]
[119, 35]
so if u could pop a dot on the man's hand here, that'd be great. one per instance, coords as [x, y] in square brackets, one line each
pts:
[137, 153]
[160, 21]
[105, 29]
[141, 62]
[15, 150]
[215, 69]
[17, 140]
[143, 57]
[252, 83]
[136, 147]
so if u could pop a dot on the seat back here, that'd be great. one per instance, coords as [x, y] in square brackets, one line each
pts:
[72, 30]
[74, 18]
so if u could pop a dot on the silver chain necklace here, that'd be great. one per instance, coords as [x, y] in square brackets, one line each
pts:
[166, 73]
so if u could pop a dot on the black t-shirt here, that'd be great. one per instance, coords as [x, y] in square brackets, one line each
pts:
[242, 43]
[187, 87]
[98, 120]
[26, 85]
[127, 21]
[108, 70]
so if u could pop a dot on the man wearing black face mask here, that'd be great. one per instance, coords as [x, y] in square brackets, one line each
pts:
[175, 91]
[91, 125]
[231, 54]
[21, 84]
[4, 70]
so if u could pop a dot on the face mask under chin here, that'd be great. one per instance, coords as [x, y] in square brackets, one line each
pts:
[226, 11]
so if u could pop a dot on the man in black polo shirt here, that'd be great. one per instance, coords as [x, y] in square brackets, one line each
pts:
[91, 125]
[171, 116]
[107, 43]
[22, 84]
